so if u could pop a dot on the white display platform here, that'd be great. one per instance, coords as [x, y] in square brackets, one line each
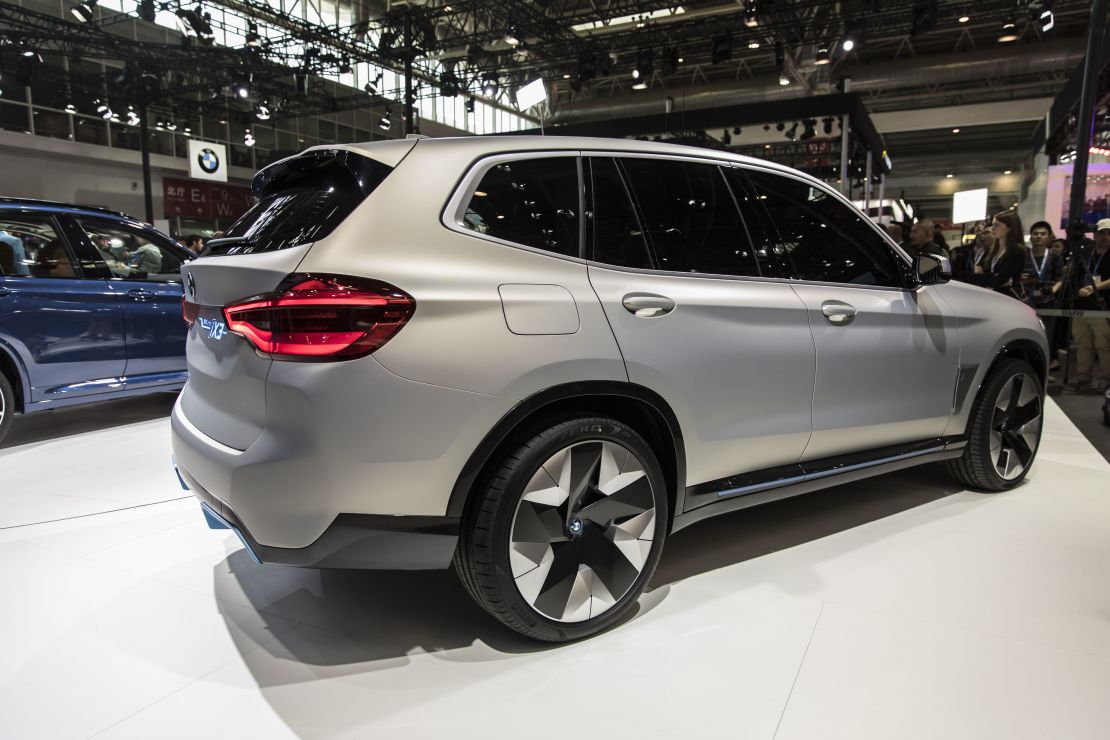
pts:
[900, 607]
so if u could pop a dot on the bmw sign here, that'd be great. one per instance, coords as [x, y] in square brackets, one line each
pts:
[207, 161]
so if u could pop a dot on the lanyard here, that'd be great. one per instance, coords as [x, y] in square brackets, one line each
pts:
[1044, 262]
[1094, 269]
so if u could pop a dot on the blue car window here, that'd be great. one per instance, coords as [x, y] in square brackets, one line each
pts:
[31, 247]
[130, 253]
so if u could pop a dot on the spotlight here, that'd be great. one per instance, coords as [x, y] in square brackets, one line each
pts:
[726, 137]
[195, 23]
[848, 44]
[955, 131]
[248, 138]
[132, 117]
[262, 111]
[751, 17]
[470, 104]
[491, 84]
[386, 121]
[827, 125]
[780, 126]
[187, 131]
[253, 39]
[822, 54]
[1009, 32]
[449, 84]
[643, 64]
[1047, 20]
[102, 108]
[950, 175]
[147, 10]
[83, 11]
[1007, 172]
[964, 18]
[240, 87]
[512, 36]
[753, 44]
[810, 129]
[170, 125]
[371, 87]
[783, 79]
[792, 132]
[736, 130]
[641, 85]
[71, 108]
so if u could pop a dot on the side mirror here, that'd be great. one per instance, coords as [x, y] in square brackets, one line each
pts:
[931, 269]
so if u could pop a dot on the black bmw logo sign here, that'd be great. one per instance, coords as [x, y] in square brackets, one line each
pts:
[208, 160]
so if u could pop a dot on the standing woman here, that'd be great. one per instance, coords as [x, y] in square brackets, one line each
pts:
[1001, 269]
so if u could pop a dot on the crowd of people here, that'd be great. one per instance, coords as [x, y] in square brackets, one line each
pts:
[1044, 273]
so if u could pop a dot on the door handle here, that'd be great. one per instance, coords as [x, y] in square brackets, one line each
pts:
[838, 313]
[647, 305]
[140, 294]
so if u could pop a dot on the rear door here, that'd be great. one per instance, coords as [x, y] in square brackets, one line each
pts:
[146, 274]
[887, 353]
[699, 319]
[63, 323]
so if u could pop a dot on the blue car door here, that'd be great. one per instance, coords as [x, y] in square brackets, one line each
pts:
[62, 324]
[146, 275]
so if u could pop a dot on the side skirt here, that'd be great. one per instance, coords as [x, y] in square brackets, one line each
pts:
[751, 489]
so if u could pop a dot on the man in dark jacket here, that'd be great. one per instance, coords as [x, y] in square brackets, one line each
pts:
[921, 240]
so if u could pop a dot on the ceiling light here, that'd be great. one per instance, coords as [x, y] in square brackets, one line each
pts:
[1007, 172]
[71, 108]
[627, 20]
[964, 18]
[470, 104]
[641, 85]
[102, 109]
[822, 54]
[783, 79]
[810, 129]
[83, 11]
[1009, 32]
[512, 37]
[253, 39]
[386, 121]
[262, 111]
[955, 131]
[1048, 21]
[950, 175]
[240, 87]
[491, 84]
[792, 132]
[753, 44]
[248, 138]
[751, 17]
[848, 44]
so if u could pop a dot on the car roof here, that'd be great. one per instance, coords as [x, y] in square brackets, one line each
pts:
[48, 206]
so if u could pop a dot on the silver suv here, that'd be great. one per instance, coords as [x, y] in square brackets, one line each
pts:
[537, 357]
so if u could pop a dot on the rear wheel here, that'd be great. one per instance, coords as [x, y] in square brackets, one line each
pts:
[566, 534]
[1004, 429]
[7, 405]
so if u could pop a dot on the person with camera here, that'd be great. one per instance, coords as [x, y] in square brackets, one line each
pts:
[1092, 335]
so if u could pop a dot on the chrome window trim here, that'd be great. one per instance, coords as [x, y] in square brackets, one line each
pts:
[455, 209]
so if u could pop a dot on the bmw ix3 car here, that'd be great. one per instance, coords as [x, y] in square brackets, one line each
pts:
[90, 307]
[536, 358]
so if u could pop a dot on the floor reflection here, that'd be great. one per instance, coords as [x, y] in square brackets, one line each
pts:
[48, 425]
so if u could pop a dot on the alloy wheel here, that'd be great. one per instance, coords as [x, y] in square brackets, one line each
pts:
[582, 531]
[1015, 426]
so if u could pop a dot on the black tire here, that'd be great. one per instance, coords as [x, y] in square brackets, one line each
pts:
[483, 560]
[7, 406]
[976, 468]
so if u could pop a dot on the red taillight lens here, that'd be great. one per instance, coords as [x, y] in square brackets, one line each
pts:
[322, 317]
[189, 311]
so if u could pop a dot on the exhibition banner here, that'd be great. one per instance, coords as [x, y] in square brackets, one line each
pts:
[194, 199]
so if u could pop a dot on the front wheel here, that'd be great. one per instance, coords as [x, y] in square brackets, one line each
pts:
[1004, 429]
[568, 530]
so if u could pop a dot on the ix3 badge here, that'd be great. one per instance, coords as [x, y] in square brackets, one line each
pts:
[216, 329]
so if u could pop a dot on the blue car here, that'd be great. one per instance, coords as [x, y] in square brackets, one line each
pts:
[90, 307]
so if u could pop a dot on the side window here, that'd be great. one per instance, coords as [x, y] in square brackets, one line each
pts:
[32, 247]
[132, 254]
[824, 239]
[533, 202]
[690, 217]
[617, 236]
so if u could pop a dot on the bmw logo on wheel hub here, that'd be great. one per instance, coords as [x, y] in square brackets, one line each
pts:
[208, 160]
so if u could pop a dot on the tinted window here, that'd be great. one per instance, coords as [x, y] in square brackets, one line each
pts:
[301, 200]
[824, 239]
[133, 254]
[31, 247]
[617, 237]
[533, 202]
[690, 217]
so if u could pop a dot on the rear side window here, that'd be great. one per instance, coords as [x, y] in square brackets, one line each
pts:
[533, 202]
[690, 217]
[301, 200]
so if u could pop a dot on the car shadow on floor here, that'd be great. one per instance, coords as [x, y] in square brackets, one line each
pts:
[45, 426]
[352, 622]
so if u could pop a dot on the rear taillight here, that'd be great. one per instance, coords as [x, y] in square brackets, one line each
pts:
[189, 311]
[322, 317]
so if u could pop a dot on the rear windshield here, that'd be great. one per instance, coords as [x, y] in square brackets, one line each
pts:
[301, 200]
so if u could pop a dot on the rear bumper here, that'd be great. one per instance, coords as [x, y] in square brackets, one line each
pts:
[359, 541]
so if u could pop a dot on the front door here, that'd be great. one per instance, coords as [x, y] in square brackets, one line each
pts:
[887, 352]
[697, 318]
[65, 328]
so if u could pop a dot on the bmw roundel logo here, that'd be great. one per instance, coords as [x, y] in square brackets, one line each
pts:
[208, 160]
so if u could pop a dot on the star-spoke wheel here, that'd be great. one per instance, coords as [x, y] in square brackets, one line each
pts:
[582, 531]
[1015, 426]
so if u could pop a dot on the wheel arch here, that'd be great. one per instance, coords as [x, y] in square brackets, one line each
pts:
[635, 405]
[13, 371]
[1027, 350]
